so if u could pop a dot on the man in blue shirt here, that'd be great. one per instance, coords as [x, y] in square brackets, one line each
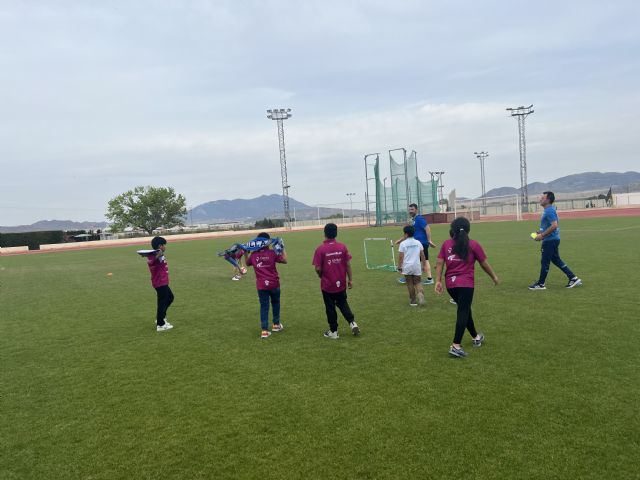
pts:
[549, 235]
[423, 235]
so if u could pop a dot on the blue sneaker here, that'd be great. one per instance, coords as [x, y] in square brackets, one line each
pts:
[427, 281]
[457, 352]
[478, 342]
[402, 280]
[537, 286]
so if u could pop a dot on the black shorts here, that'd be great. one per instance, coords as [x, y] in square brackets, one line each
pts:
[426, 250]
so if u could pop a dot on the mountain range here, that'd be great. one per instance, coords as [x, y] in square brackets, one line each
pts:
[270, 206]
[47, 225]
[579, 182]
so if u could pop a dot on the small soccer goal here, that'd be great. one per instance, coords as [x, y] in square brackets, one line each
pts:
[379, 255]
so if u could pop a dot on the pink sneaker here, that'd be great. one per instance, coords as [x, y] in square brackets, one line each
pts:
[265, 334]
[277, 327]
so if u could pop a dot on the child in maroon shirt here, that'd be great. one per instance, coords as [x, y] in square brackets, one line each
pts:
[331, 260]
[459, 254]
[160, 281]
[264, 262]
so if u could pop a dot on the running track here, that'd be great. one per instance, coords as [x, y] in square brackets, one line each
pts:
[586, 213]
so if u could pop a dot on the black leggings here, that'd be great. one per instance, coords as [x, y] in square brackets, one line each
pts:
[165, 298]
[333, 300]
[463, 297]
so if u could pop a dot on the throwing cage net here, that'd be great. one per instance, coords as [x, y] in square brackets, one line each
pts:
[403, 187]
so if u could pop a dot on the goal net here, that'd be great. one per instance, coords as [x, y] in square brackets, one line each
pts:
[379, 254]
[505, 207]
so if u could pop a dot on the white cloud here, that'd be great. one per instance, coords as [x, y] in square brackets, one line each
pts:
[100, 97]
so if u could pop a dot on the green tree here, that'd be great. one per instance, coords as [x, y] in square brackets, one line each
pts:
[147, 208]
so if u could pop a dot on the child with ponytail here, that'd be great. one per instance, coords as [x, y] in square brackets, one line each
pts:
[459, 255]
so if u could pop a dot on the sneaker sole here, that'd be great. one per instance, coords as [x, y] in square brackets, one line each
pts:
[537, 288]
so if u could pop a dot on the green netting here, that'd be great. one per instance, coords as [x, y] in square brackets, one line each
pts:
[403, 188]
[379, 255]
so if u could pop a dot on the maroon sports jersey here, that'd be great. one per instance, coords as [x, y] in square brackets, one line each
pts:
[332, 258]
[264, 264]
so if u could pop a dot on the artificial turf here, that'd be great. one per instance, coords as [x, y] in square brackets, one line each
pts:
[89, 389]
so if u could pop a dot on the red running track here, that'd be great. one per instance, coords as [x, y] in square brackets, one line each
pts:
[586, 213]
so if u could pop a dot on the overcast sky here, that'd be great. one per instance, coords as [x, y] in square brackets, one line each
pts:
[100, 96]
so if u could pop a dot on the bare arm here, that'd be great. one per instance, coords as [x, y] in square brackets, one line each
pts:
[349, 276]
[439, 265]
[400, 260]
[429, 237]
[423, 260]
[283, 258]
[319, 271]
[400, 240]
[487, 268]
[552, 228]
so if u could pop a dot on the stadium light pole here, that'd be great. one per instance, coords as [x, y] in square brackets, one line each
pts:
[350, 195]
[280, 115]
[481, 156]
[521, 113]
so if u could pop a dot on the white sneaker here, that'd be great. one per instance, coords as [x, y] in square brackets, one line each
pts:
[355, 330]
[452, 301]
[332, 335]
[235, 278]
[164, 328]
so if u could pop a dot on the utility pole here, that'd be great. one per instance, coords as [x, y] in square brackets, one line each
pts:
[481, 156]
[280, 115]
[522, 113]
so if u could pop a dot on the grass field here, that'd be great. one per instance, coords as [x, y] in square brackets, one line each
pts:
[89, 390]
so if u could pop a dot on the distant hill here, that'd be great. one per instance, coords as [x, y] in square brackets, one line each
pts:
[249, 210]
[579, 182]
[45, 225]
[240, 209]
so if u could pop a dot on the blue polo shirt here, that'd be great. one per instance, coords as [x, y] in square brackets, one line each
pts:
[420, 224]
[548, 216]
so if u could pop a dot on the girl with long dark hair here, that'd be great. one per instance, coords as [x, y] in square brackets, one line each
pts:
[459, 255]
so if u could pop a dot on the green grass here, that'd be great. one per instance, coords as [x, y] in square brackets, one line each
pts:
[89, 390]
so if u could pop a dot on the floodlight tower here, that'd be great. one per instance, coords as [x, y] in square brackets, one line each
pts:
[522, 113]
[350, 195]
[481, 156]
[280, 115]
